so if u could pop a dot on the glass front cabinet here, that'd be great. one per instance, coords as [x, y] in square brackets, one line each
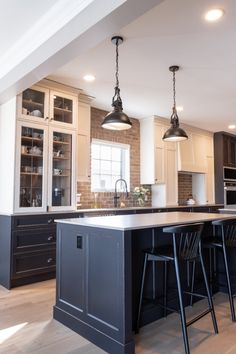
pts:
[42, 105]
[45, 178]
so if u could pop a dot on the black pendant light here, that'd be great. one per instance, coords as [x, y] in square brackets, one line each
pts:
[174, 133]
[117, 119]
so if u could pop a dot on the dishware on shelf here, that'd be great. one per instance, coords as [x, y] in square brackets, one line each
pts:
[27, 169]
[40, 170]
[24, 149]
[57, 171]
[36, 113]
[35, 150]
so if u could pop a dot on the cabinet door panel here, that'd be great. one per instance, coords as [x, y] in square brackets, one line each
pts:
[61, 169]
[63, 109]
[171, 177]
[31, 167]
[33, 104]
[159, 165]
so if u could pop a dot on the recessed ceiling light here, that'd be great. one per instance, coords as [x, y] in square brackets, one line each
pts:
[231, 126]
[180, 108]
[214, 15]
[89, 77]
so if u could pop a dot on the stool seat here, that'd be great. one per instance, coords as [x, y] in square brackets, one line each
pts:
[185, 248]
[223, 241]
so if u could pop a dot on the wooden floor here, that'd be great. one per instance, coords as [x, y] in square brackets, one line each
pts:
[26, 326]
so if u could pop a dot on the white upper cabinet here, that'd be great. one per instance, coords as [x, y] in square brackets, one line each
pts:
[43, 105]
[158, 159]
[192, 153]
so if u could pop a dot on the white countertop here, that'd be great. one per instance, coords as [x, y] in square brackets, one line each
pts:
[144, 221]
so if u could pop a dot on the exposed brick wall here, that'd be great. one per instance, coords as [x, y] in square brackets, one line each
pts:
[184, 187]
[131, 137]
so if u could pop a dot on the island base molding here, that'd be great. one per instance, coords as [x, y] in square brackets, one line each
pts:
[98, 338]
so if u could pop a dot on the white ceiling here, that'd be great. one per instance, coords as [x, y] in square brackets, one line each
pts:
[17, 17]
[173, 32]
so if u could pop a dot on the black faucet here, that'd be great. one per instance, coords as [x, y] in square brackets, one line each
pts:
[116, 197]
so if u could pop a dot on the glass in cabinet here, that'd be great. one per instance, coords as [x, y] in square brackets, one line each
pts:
[30, 166]
[33, 104]
[61, 170]
[62, 109]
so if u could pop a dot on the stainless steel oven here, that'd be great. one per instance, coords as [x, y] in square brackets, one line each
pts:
[229, 174]
[230, 194]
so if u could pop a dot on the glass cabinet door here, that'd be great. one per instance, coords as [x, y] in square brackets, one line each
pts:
[62, 109]
[61, 170]
[31, 165]
[34, 103]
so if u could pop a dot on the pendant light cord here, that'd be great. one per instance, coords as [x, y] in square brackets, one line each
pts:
[174, 119]
[174, 91]
[116, 99]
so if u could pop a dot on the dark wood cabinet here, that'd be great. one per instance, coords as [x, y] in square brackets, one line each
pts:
[229, 151]
[28, 247]
[225, 155]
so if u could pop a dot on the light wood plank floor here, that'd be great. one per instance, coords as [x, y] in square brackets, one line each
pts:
[26, 326]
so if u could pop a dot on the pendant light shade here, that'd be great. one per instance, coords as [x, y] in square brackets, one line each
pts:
[174, 133]
[117, 119]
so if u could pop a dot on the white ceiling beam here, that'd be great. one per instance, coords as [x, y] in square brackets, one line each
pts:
[68, 30]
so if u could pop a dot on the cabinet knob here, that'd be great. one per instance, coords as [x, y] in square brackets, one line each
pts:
[50, 260]
[46, 118]
[51, 119]
[50, 238]
[50, 221]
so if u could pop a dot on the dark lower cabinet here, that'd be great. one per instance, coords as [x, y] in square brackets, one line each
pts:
[28, 248]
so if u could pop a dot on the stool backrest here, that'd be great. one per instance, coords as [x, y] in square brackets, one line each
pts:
[228, 230]
[186, 240]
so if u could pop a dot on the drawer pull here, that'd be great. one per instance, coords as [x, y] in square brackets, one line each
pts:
[50, 221]
[50, 238]
[50, 260]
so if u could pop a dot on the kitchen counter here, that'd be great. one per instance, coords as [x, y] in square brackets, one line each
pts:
[142, 221]
[99, 263]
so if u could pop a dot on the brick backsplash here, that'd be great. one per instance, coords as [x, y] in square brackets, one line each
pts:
[184, 187]
[131, 137]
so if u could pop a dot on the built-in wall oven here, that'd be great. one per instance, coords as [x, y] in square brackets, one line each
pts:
[230, 194]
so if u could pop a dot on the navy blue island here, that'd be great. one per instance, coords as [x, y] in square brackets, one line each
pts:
[98, 273]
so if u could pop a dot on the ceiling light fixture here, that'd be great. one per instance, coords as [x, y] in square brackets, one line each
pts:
[117, 119]
[214, 15]
[174, 133]
[89, 77]
[179, 108]
[231, 126]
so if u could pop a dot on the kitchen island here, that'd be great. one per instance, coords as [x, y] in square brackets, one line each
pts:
[99, 264]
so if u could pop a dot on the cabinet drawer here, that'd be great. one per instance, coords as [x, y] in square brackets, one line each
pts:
[33, 263]
[32, 239]
[33, 220]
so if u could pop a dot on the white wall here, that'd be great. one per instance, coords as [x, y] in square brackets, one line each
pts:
[7, 155]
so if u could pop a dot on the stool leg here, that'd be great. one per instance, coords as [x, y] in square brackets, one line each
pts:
[210, 302]
[231, 299]
[192, 283]
[141, 292]
[165, 287]
[181, 305]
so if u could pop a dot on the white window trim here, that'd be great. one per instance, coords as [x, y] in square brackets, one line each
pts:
[121, 145]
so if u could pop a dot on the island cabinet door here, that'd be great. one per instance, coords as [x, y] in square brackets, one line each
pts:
[94, 285]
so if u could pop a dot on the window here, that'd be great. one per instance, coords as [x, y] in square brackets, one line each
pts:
[110, 161]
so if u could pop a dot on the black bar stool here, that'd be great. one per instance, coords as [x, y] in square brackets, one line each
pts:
[224, 241]
[186, 247]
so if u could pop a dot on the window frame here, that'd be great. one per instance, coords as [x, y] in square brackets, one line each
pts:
[125, 167]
